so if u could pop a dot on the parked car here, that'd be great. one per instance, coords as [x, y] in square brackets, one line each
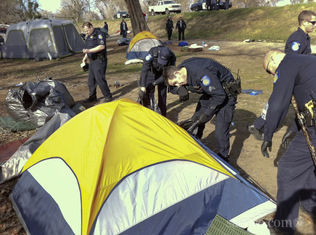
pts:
[121, 14]
[215, 5]
[165, 7]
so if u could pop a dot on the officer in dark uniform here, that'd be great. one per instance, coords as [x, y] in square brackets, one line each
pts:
[294, 75]
[123, 28]
[95, 50]
[151, 76]
[218, 90]
[181, 26]
[297, 43]
[169, 27]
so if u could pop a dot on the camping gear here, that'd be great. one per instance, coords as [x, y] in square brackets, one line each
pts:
[121, 168]
[15, 162]
[140, 44]
[251, 91]
[36, 102]
[42, 39]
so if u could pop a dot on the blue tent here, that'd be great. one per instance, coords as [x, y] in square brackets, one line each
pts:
[120, 168]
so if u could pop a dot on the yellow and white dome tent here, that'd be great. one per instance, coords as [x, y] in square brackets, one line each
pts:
[120, 168]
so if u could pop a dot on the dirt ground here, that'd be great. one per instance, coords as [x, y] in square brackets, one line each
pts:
[245, 149]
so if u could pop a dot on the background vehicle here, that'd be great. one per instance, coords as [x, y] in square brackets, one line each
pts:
[215, 5]
[121, 14]
[165, 7]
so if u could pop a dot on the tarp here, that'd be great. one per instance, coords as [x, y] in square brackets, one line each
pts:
[42, 39]
[36, 102]
[120, 168]
[140, 44]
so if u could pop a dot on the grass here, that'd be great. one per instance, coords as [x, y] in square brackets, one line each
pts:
[272, 24]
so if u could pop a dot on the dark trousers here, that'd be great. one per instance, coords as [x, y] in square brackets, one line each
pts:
[181, 35]
[97, 69]
[296, 183]
[169, 32]
[162, 98]
[124, 33]
[224, 117]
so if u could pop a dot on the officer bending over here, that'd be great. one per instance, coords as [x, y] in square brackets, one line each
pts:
[95, 50]
[294, 75]
[218, 90]
[151, 76]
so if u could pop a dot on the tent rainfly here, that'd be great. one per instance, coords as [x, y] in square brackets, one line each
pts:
[140, 44]
[42, 39]
[120, 168]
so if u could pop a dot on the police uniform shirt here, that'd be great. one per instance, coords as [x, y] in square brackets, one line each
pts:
[298, 43]
[296, 75]
[151, 70]
[206, 76]
[95, 39]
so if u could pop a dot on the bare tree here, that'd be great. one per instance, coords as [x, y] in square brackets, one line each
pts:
[74, 9]
[137, 18]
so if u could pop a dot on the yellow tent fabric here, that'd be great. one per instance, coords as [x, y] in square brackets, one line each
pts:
[107, 142]
[140, 36]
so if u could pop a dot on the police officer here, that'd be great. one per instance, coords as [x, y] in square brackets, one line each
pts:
[123, 28]
[297, 43]
[208, 4]
[95, 50]
[151, 76]
[181, 26]
[218, 90]
[169, 27]
[294, 75]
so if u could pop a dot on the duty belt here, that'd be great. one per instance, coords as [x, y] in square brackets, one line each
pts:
[309, 113]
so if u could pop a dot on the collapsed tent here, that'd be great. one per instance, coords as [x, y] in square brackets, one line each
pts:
[140, 44]
[120, 168]
[42, 39]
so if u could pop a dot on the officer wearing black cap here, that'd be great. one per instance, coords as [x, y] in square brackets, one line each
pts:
[297, 43]
[151, 75]
[294, 76]
[218, 90]
[95, 50]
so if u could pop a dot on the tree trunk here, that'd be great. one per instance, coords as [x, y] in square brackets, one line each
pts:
[137, 18]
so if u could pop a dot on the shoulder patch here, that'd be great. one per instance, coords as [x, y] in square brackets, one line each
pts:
[206, 81]
[148, 57]
[295, 46]
[276, 77]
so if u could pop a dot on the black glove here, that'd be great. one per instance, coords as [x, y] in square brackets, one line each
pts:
[287, 138]
[187, 123]
[183, 93]
[158, 81]
[266, 145]
[200, 120]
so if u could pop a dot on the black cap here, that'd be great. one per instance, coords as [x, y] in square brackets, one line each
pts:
[164, 56]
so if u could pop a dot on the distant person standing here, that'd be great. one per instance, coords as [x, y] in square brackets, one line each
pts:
[208, 5]
[181, 26]
[95, 50]
[106, 28]
[169, 27]
[123, 28]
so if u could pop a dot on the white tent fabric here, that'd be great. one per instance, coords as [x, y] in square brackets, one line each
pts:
[42, 39]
